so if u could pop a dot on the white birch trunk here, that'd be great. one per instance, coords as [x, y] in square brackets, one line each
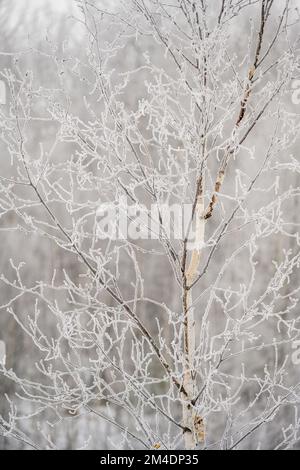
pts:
[190, 419]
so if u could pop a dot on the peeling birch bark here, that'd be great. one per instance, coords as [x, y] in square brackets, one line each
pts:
[192, 422]
[265, 10]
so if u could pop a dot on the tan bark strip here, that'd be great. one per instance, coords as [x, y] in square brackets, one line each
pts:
[194, 423]
[265, 11]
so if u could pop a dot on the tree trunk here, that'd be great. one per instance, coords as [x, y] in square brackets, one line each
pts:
[193, 423]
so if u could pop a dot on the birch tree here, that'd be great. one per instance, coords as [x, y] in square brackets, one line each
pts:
[203, 119]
